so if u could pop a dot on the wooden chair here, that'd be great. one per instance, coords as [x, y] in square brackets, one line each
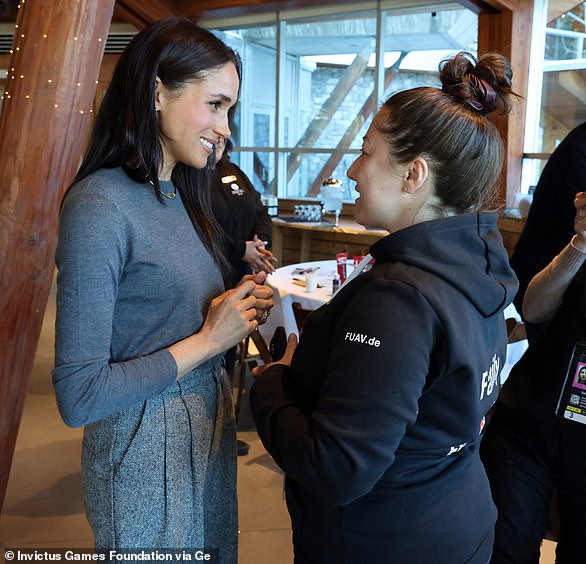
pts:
[253, 351]
[515, 330]
[300, 314]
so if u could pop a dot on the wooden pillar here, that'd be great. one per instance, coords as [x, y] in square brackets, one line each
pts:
[57, 52]
[509, 32]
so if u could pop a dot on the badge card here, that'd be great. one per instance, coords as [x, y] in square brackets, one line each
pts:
[572, 401]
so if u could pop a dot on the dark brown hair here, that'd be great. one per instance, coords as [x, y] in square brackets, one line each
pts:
[126, 129]
[449, 128]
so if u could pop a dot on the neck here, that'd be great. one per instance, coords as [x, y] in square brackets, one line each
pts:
[165, 172]
[167, 166]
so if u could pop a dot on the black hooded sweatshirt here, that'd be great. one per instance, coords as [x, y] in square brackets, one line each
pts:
[377, 422]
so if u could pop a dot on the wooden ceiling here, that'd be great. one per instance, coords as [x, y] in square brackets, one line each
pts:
[141, 12]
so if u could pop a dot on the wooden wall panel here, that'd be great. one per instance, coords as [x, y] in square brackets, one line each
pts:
[496, 33]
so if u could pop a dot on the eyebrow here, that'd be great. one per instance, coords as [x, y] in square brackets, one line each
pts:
[222, 97]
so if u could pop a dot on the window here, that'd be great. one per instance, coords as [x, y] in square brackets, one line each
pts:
[312, 82]
[556, 102]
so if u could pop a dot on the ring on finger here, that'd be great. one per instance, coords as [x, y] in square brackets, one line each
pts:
[265, 315]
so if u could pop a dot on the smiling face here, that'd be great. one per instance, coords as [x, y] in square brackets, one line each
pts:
[192, 120]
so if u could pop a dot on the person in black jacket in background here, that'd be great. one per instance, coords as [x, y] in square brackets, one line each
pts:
[245, 220]
[376, 415]
[247, 227]
[550, 223]
[527, 450]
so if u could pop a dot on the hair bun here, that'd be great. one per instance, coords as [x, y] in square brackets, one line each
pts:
[483, 85]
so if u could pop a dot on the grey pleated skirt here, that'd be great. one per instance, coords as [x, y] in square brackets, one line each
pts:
[162, 474]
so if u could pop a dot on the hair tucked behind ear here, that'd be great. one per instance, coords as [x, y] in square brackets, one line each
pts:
[449, 128]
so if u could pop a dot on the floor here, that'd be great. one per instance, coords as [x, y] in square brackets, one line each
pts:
[43, 506]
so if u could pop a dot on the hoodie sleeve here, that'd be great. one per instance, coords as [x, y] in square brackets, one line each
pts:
[379, 365]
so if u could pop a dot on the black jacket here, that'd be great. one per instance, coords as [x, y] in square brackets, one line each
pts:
[238, 208]
[550, 223]
[377, 422]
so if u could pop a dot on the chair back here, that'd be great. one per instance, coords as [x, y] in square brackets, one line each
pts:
[301, 314]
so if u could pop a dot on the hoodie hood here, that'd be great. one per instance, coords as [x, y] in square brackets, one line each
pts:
[466, 251]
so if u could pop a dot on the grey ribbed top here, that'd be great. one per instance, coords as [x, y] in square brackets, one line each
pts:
[133, 278]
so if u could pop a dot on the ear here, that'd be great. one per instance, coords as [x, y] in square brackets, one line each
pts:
[159, 94]
[416, 175]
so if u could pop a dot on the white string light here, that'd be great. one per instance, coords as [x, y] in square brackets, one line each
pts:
[6, 94]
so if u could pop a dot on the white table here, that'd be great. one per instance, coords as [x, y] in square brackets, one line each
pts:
[514, 350]
[287, 292]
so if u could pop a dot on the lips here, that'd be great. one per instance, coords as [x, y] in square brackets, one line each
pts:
[208, 145]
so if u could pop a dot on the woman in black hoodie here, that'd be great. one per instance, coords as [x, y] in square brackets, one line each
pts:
[376, 415]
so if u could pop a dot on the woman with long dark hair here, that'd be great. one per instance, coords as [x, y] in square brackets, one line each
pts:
[142, 316]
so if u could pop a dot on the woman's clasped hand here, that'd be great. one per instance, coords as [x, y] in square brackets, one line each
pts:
[234, 314]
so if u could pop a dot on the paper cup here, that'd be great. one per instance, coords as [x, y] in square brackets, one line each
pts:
[310, 283]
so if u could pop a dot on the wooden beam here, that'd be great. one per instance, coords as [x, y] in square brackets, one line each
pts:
[557, 8]
[140, 13]
[509, 33]
[573, 82]
[8, 10]
[214, 9]
[56, 62]
[480, 6]
[504, 5]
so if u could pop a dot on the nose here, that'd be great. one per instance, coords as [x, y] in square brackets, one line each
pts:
[223, 128]
[350, 172]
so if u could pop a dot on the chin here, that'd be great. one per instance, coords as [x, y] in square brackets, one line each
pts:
[358, 214]
[198, 163]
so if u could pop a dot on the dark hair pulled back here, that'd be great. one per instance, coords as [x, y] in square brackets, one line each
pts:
[126, 130]
[450, 129]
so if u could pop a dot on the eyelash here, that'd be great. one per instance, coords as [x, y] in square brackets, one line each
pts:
[216, 105]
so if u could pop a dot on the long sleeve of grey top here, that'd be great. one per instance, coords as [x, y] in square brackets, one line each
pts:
[546, 290]
[133, 279]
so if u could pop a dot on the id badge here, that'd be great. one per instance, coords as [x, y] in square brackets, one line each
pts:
[572, 400]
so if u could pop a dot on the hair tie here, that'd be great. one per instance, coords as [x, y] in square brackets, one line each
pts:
[484, 95]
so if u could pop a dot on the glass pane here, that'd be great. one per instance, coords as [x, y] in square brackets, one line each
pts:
[313, 169]
[563, 94]
[330, 92]
[530, 174]
[259, 167]
[415, 42]
[330, 77]
[253, 124]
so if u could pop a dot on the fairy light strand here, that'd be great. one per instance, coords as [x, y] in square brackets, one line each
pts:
[15, 76]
